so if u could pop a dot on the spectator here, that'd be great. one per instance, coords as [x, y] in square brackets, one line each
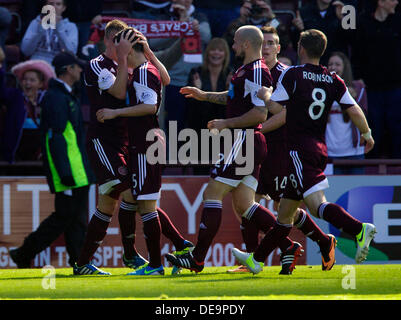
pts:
[174, 105]
[66, 165]
[5, 21]
[342, 137]
[376, 57]
[149, 9]
[214, 75]
[324, 15]
[23, 136]
[45, 44]
[10, 97]
[258, 13]
[29, 10]
[83, 14]
[253, 12]
[219, 13]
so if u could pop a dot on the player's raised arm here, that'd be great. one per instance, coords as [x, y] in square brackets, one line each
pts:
[150, 55]
[198, 94]
[123, 47]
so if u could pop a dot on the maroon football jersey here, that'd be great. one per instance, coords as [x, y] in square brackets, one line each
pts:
[280, 134]
[99, 77]
[144, 87]
[242, 93]
[308, 92]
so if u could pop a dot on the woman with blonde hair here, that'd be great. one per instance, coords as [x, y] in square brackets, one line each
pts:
[342, 137]
[213, 75]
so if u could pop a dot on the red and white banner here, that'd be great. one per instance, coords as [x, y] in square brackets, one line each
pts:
[191, 41]
[25, 202]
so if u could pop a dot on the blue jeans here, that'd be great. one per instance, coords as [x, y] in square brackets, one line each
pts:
[384, 115]
[348, 170]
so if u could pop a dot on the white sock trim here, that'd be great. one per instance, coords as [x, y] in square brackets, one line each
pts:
[301, 222]
[213, 204]
[321, 209]
[102, 216]
[149, 216]
[249, 212]
[128, 206]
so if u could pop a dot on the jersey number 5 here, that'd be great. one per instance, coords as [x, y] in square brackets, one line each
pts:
[317, 103]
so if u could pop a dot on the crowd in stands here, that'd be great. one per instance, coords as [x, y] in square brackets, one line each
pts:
[367, 57]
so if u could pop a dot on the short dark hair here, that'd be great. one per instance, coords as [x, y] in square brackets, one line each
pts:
[270, 30]
[137, 46]
[314, 42]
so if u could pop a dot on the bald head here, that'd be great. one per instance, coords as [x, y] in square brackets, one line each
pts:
[252, 34]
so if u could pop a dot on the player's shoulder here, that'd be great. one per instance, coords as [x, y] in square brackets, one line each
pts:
[256, 71]
[152, 70]
[101, 62]
[281, 66]
[289, 71]
[146, 74]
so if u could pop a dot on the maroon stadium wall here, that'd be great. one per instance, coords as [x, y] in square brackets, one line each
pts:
[26, 201]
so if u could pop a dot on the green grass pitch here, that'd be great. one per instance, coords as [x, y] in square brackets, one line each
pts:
[307, 283]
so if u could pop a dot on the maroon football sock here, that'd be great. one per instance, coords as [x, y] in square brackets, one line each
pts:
[306, 224]
[250, 234]
[127, 222]
[264, 219]
[151, 232]
[271, 241]
[170, 231]
[97, 229]
[339, 218]
[210, 223]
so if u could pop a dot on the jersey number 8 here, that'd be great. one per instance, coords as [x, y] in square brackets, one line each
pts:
[317, 103]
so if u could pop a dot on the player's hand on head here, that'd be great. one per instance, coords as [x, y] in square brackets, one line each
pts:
[265, 93]
[142, 40]
[105, 114]
[125, 43]
[192, 92]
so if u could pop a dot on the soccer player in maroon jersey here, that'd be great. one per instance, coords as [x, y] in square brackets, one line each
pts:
[144, 92]
[129, 206]
[106, 82]
[273, 174]
[244, 111]
[308, 91]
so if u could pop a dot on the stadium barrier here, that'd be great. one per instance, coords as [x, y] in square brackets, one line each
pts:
[25, 201]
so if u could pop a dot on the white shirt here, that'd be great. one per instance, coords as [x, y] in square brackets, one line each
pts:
[339, 135]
